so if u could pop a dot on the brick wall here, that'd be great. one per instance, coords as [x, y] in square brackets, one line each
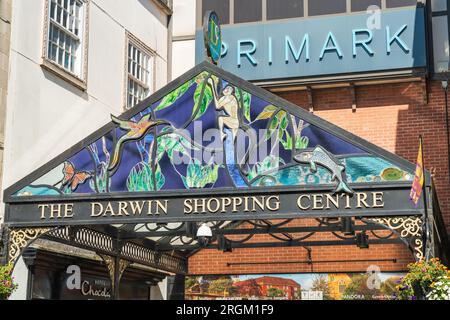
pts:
[388, 115]
[392, 116]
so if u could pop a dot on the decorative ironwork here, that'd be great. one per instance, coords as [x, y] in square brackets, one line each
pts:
[111, 265]
[19, 238]
[103, 243]
[408, 228]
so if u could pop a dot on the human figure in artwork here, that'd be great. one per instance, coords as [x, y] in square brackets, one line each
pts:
[228, 103]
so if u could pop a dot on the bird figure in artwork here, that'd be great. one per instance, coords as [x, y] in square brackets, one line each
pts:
[136, 131]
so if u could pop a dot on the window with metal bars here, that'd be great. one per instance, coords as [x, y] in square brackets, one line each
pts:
[65, 34]
[140, 74]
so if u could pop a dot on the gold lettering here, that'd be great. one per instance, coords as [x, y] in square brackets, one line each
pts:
[259, 202]
[236, 203]
[217, 204]
[161, 205]
[299, 201]
[276, 203]
[317, 201]
[246, 204]
[333, 200]
[123, 208]
[361, 199]
[347, 202]
[93, 206]
[188, 206]
[378, 199]
[225, 203]
[137, 207]
[109, 209]
[43, 207]
[68, 210]
[55, 209]
[202, 205]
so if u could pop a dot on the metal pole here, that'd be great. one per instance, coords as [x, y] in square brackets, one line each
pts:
[425, 202]
[447, 127]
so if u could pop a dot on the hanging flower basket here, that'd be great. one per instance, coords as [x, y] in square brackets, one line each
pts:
[425, 281]
[7, 284]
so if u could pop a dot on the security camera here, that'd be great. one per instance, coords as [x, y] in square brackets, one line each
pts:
[204, 235]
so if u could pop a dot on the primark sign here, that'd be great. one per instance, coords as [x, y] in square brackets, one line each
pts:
[324, 46]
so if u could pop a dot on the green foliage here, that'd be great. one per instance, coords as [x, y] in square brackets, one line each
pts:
[320, 283]
[174, 95]
[275, 293]
[269, 163]
[300, 141]
[198, 175]
[421, 280]
[280, 125]
[358, 288]
[221, 285]
[171, 143]
[141, 178]
[189, 282]
[7, 283]
[267, 113]
[247, 100]
[200, 107]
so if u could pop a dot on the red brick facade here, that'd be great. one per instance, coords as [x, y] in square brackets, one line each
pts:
[388, 115]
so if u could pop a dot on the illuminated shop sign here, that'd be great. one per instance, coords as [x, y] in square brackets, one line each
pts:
[323, 46]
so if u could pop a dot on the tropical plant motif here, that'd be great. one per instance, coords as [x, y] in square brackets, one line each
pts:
[141, 178]
[198, 175]
[268, 164]
[245, 99]
[154, 147]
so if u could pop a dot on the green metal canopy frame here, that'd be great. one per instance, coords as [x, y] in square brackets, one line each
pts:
[137, 188]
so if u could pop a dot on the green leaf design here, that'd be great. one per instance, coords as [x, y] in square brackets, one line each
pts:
[247, 99]
[173, 142]
[141, 179]
[301, 142]
[269, 163]
[267, 112]
[201, 106]
[198, 175]
[173, 96]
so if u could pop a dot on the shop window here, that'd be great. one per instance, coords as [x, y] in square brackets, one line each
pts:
[284, 9]
[439, 5]
[65, 36]
[439, 26]
[319, 7]
[440, 44]
[363, 5]
[400, 3]
[139, 73]
[247, 11]
[221, 7]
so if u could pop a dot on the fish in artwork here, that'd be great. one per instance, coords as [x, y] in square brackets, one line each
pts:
[72, 177]
[136, 131]
[319, 156]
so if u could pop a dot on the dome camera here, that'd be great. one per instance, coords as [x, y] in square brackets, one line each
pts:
[204, 235]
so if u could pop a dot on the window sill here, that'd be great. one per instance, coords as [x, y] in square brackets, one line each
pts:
[63, 74]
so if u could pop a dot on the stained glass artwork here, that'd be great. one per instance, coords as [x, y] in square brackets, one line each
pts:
[209, 134]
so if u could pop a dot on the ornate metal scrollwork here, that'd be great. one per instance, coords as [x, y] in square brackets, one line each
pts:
[111, 265]
[408, 228]
[20, 238]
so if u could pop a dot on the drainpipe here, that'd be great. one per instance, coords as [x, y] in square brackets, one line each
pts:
[445, 87]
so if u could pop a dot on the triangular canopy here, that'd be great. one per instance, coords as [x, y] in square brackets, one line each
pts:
[165, 145]
[124, 156]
